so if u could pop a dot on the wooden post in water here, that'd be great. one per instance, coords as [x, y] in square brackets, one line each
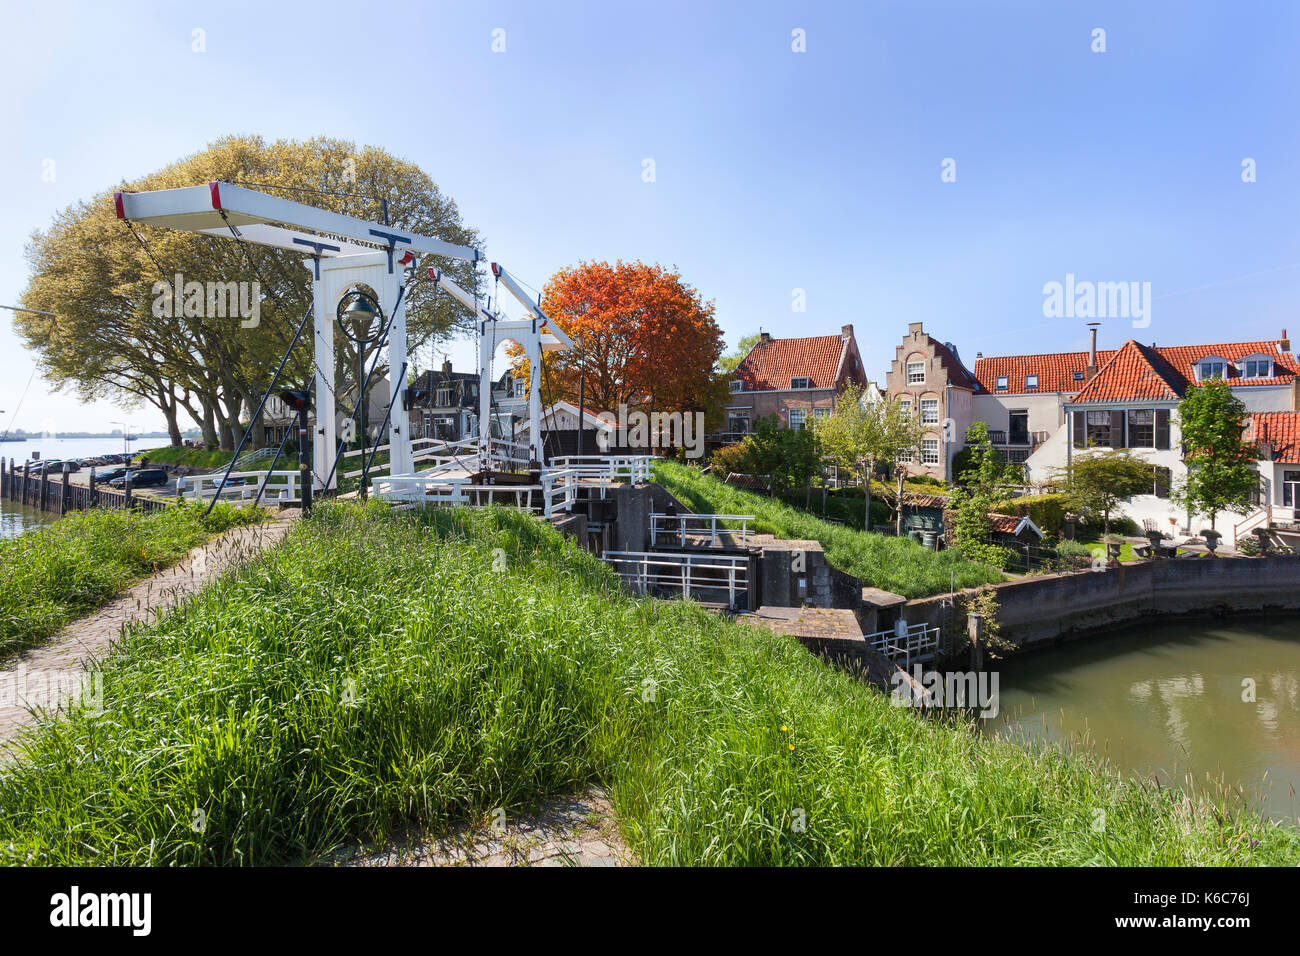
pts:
[975, 625]
[27, 471]
[4, 479]
[45, 488]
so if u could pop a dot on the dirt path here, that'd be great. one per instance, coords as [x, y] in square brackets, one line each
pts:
[571, 831]
[43, 676]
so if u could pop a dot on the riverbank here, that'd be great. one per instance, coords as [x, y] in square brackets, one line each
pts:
[1045, 609]
[385, 673]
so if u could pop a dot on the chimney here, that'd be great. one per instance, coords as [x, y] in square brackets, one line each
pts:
[765, 336]
[1092, 349]
[846, 332]
[446, 368]
[1285, 344]
[978, 356]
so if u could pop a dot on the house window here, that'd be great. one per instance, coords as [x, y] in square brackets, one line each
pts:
[801, 382]
[1031, 381]
[1291, 488]
[737, 385]
[1142, 428]
[930, 451]
[1002, 383]
[796, 417]
[1163, 479]
[738, 424]
[1211, 370]
[820, 413]
[905, 457]
[915, 373]
[1078, 376]
[444, 397]
[905, 408]
[1099, 429]
[930, 411]
[1257, 368]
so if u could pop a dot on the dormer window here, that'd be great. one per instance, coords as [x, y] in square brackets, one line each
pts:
[801, 382]
[1210, 368]
[1001, 383]
[737, 384]
[1078, 376]
[1257, 368]
[1031, 381]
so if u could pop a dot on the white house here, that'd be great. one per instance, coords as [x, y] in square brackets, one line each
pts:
[1045, 409]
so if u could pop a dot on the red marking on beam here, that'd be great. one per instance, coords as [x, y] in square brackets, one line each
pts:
[119, 206]
[215, 189]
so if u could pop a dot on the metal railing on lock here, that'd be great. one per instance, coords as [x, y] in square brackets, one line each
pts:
[704, 576]
[906, 642]
[664, 527]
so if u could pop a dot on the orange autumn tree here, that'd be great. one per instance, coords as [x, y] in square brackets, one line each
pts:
[644, 338]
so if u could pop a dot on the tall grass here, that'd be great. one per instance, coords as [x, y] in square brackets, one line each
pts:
[374, 673]
[882, 561]
[60, 571]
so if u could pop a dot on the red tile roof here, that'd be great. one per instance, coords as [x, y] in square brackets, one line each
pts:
[1056, 370]
[1282, 431]
[1136, 371]
[771, 363]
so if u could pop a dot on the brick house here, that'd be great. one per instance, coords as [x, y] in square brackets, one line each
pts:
[929, 379]
[798, 379]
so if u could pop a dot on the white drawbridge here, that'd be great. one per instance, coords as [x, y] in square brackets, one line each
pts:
[345, 253]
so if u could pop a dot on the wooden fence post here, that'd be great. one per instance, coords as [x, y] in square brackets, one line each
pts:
[27, 472]
[92, 496]
[975, 626]
[126, 484]
[45, 488]
[65, 498]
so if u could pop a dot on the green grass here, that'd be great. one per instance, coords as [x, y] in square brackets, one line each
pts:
[374, 675]
[190, 457]
[56, 573]
[882, 561]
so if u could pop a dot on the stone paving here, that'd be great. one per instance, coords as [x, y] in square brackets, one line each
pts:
[572, 831]
[42, 676]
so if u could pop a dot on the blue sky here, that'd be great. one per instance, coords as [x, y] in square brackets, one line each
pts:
[774, 170]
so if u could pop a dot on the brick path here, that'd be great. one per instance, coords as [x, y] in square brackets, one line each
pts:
[43, 675]
[571, 831]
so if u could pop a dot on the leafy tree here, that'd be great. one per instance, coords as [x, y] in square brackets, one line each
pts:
[1220, 463]
[1099, 481]
[858, 434]
[984, 480]
[729, 362]
[789, 457]
[645, 338]
[107, 343]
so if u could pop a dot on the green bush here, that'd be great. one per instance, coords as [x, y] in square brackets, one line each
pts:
[373, 678]
[1046, 511]
[882, 561]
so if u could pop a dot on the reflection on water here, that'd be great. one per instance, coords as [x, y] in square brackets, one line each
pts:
[1202, 704]
[15, 519]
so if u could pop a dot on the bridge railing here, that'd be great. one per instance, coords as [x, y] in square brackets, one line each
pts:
[635, 469]
[906, 642]
[688, 573]
[242, 485]
[666, 526]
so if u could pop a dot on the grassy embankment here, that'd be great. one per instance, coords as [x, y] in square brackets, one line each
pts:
[374, 674]
[54, 574]
[882, 561]
[190, 457]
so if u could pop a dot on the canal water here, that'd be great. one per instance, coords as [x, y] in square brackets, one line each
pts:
[14, 518]
[1167, 699]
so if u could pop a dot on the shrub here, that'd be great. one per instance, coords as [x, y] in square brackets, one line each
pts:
[1046, 511]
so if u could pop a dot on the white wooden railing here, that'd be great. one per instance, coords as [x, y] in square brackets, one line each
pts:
[906, 642]
[687, 573]
[279, 486]
[634, 469]
[678, 526]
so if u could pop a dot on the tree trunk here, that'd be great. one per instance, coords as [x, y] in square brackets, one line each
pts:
[867, 468]
[898, 519]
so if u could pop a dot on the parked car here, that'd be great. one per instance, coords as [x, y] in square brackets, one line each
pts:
[108, 477]
[141, 478]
